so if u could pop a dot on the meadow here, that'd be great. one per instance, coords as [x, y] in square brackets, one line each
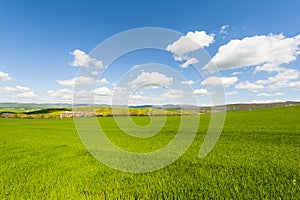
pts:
[256, 157]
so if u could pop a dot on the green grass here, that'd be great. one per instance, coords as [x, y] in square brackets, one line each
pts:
[256, 157]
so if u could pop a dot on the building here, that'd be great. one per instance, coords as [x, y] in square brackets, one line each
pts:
[71, 114]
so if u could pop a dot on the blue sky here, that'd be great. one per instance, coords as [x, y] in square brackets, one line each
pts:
[257, 51]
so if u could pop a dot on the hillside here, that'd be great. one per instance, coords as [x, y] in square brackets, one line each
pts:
[19, 110]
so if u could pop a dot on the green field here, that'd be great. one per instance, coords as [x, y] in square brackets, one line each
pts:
[256, 157]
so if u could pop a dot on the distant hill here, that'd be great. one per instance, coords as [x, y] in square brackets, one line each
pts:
[238, 106]
[30, 106]
[33, 107]
[253, 106]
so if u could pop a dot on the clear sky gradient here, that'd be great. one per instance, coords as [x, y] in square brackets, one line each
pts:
[257, 50]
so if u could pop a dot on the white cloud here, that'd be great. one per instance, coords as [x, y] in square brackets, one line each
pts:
[96, 73]
[60, 95]
[295, 85]
[81, 59]
[257, 50]
[236, 73]
[162, 97]
[103, 81]
[4, 76]
[18, 88]
[102, 91]
[224, 29]
[190, 42]
[231, 93]
[23, 88]
[189, 61]
[282, 79]
[268, 67]
[270, 94]
[284, 76]
[123, 96]
[136, 99]
[9, 89]
[136, 66]
[19, 91]
[100, 95]
[254, 87]
[28, 94]
[171, 94]
[214, 81]
[201, 91]
[265, 101]
[151, 79]
[268, 53]
[120, 95]
[136, 96]
[81, 80]
[189, 82]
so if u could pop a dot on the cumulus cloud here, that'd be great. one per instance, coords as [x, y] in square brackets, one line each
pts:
[103, 81]
[257, 50]
[265, 101]
[60, 95]
[189, 62]
[99, 95]
[123, 96]
[236, 73]
[151, 79]
[214, 81]
[190, 42]
[102, 91]
[81, 59]
[4, 76]
[231, 93]
[284, 78]
[136, 96]
[201, 91]
[270, 94]
[254, 87]
[189, 82]
[136, 99]
[268, 67]
[172, 94]
[224, 29]
[267, 53]
[96, 73]
[27, 94]
[19, 91]
[120, 95]
[18, 88]
[81, 80]
[295, 85]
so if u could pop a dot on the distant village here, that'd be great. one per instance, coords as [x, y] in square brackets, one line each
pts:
[64, 114]
[71, 114]
[76, 114]
[103, 111]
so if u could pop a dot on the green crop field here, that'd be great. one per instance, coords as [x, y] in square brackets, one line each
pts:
[256, 157]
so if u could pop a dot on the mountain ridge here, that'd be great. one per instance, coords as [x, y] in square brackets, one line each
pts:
[235, 106]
